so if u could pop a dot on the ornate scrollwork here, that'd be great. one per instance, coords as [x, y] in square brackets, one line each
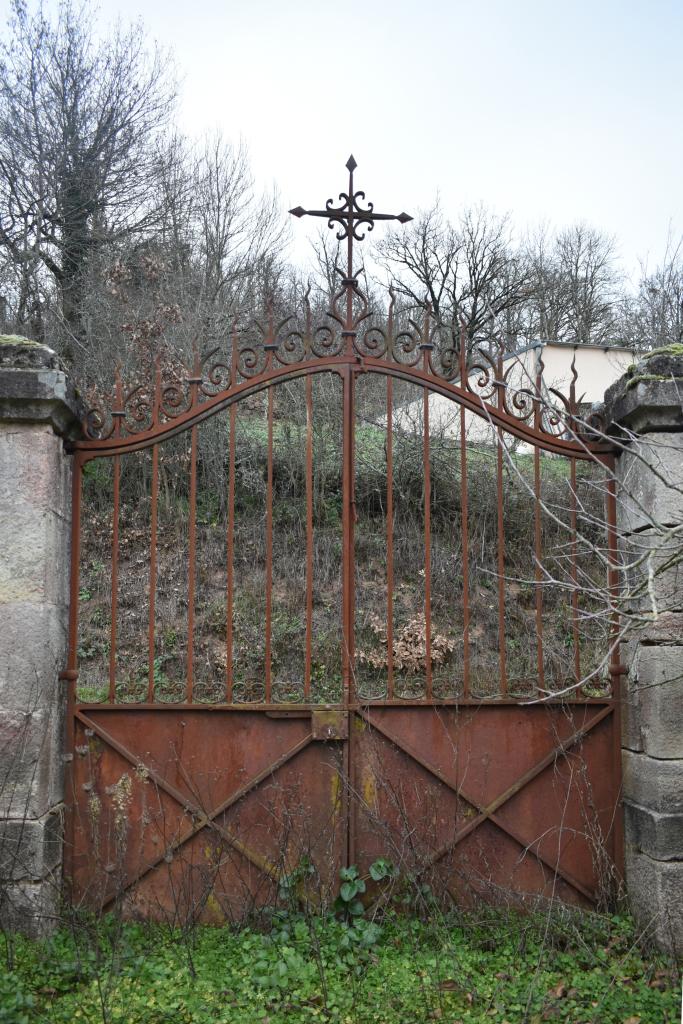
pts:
[350, 332]
[98, 423]
[174, 399]
[327, 340]
[501, 382]
[251, 361]
[350, 215]
[292, 350]
[373, 341]
[217, 377]
[481, 378]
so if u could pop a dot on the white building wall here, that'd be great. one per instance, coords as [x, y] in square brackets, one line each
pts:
[596, 369]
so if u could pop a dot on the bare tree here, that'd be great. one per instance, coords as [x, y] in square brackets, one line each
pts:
[574, 286]
[656, 315]
[213, 255]
[79, 119]
[240, 234]
[470, 272]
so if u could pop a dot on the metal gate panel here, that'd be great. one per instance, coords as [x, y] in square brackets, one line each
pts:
[191, 810]
[212, 809]
[442, 789]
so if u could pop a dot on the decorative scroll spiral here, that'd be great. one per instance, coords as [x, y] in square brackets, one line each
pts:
[175, 399]
[481, 377]
[251, 361]
[350, 216]
[500, 381]
[98, 423]
[217, 377]
[373, 341]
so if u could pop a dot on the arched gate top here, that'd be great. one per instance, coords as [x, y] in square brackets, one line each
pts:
[483, 377]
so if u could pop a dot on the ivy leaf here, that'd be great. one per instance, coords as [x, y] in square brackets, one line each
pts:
[348, 891]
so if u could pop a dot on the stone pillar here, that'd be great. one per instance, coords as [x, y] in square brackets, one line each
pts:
[648, 403]
[38, 411]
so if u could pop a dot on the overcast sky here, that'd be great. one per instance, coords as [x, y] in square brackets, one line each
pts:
[552, 111]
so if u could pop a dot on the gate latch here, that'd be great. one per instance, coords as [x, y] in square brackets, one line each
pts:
[329, 724]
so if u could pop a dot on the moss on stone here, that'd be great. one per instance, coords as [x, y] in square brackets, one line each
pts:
[18, 339]
[666, 350]
[642, 377]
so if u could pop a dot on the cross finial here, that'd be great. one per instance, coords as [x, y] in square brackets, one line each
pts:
[349, 214]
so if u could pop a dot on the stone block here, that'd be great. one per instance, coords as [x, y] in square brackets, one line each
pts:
[666, 629]
[660, 836]
[653, 783]
[648, 396]
[34, 511]
[631, 734]
[34, 387]
[34, 564]
[655, 890]
[32, 908]
[32, 654]
[31, 762]
[653, 577]
[33, 468]
[645, 496]
[659, 674]
[30, 848]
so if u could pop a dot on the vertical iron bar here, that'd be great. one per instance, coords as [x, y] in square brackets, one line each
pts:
[229, 677]
[192, 564]
[538, 553]
[464, 533]
[309, 535]
[348, 580]
[153, 538]
[502, 650]
[153, 571]
[348, 517]
[114, 577]
[390, 538]
[427, 542]
[230, 583]
[269, 550]
[74, 586]
[574, 573]
[500, 493]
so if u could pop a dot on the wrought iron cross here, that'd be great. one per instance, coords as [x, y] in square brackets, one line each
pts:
[350, 216]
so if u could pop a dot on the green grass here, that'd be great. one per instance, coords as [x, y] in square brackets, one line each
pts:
[496, 967]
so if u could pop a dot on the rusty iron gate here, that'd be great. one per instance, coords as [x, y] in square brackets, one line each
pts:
[188, 807]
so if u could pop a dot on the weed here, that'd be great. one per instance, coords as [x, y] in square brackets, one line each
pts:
[485, 968]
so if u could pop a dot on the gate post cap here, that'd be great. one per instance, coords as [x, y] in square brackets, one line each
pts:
[35, 388]
[647, 397]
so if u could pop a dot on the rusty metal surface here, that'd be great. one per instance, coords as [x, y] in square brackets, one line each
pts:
[490, 799]
[480, 801]
[193, 815]
[192, 810]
